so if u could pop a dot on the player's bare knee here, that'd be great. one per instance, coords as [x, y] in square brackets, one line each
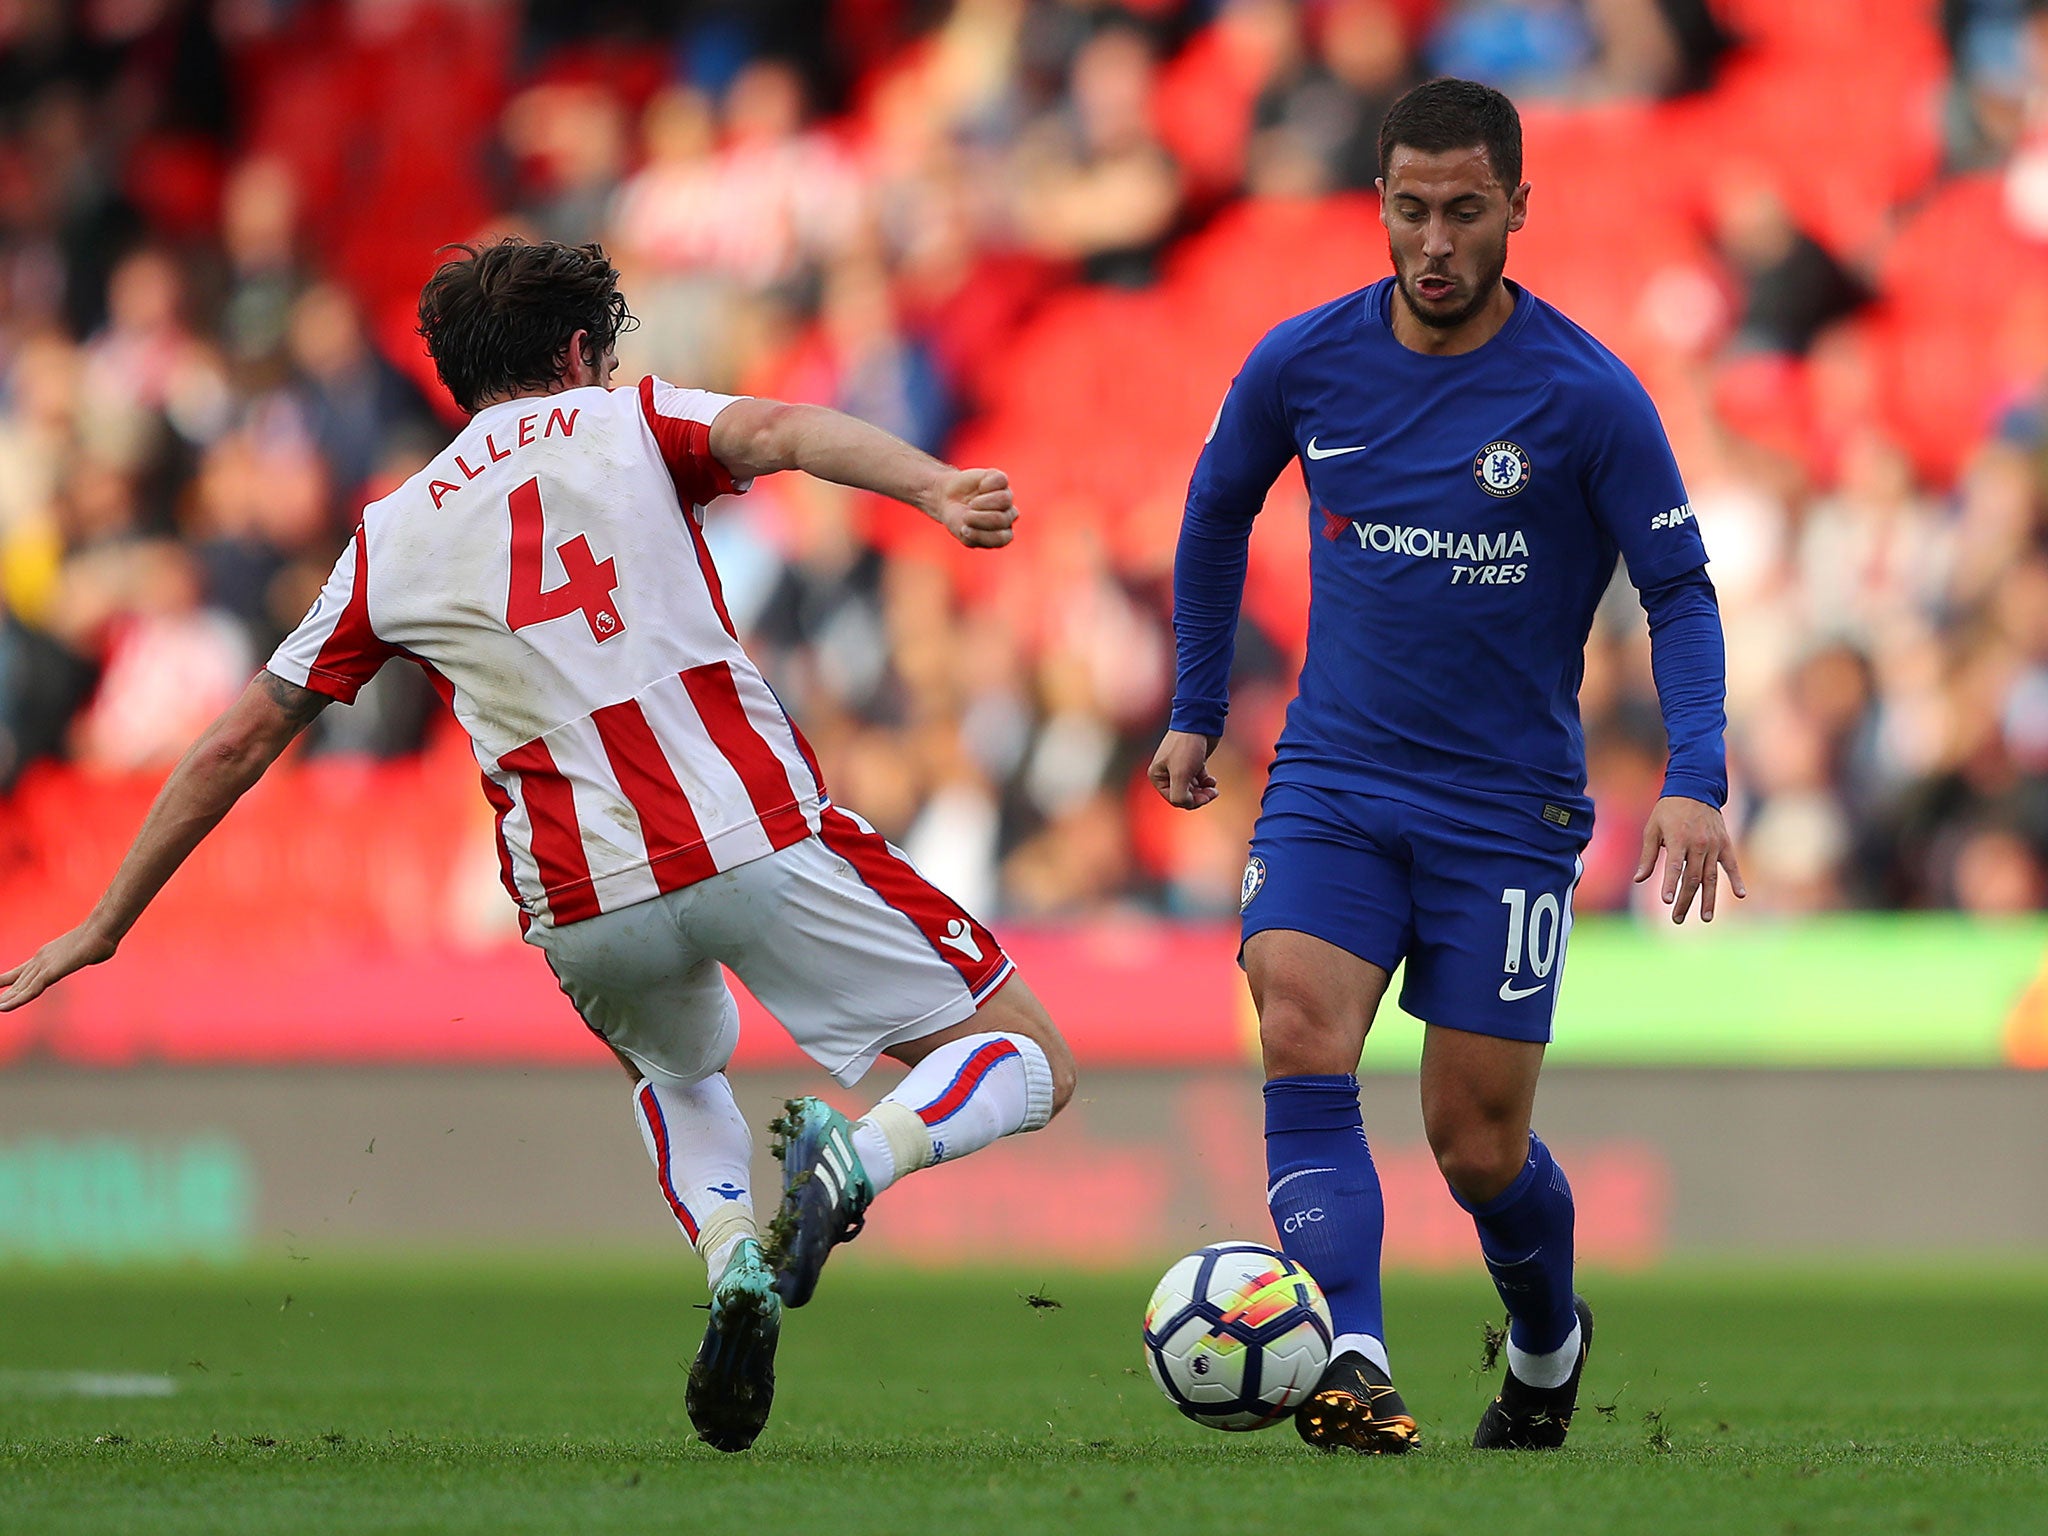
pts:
[1478, 1160]
[1059, 1057]
[1065, 1074]
[1476, 1180]
[1015, 1009]
[1295, 1040]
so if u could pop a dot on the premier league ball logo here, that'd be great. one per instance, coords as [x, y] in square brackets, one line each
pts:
[1501, 469]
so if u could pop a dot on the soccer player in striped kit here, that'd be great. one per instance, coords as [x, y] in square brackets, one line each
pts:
[658, 814]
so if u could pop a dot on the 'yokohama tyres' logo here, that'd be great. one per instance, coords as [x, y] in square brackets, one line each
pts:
[1439, 543]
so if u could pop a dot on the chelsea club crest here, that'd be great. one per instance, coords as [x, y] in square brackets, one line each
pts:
[1501, 468]
[1254, 877]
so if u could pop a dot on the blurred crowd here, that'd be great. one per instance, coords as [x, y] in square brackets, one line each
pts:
[215, 214]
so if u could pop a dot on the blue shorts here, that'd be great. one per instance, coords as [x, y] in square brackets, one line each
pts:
[1481, 919]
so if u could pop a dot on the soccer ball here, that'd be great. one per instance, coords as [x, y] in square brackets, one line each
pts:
[1237, 1336]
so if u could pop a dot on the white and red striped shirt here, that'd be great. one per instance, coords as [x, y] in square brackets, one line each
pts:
[549, 571]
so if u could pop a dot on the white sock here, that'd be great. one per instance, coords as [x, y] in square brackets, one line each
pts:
[1545, 1371]
[961, 1097]
[701, 1147]
[1362, 1344]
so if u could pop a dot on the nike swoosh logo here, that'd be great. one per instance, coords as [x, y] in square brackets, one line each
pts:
[1330, 453]
[1510, 993]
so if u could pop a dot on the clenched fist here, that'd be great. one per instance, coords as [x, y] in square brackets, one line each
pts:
[1180, 770]
[977, 507]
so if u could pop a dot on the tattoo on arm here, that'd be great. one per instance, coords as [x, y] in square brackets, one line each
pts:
[300, 705]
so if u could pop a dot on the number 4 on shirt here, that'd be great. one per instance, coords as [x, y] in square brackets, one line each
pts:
[590, 583]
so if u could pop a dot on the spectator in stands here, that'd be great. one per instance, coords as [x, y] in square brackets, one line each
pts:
[785, 195]
[69, 218]
[1792, 288]
[1052, 36]
[351, 402]
[1797, 823]
[153, 389]
[1873, 554]
[883, 374]
[170, 663]
[569, 138]
[41, 678]
[259, 499]
[46, 507]
[1205, 103]
[1078, 863]
[1996, 872]
[1656, 48]
[820, 625]
[1581, 48]
[259, 238]
[1999, 515]
[1994, 48]
[42, 685]
[1524, 47]
[38, 437]
[1093, 183]
[664, 236]
[1328, 103]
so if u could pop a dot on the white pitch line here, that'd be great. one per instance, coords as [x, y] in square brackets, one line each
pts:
[84, 1384]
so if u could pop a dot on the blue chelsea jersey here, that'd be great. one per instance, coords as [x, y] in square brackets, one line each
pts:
[1465, 515]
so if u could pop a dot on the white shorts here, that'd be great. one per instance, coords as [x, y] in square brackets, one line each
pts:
[839, 936]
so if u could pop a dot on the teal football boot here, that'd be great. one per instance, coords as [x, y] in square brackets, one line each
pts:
[732, 1380]
[825, 1194]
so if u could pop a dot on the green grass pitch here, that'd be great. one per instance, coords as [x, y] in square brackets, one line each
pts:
[487, 1396]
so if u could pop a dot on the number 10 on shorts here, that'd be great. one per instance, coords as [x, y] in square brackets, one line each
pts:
[1538, 925]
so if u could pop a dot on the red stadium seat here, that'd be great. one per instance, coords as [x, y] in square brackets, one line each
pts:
[1263, 260]
[1844, 139]
[1957, 282]
[1837, 29]
[420, 103]
[1203, 108]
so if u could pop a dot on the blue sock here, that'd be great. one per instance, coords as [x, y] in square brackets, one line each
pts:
[1324, 1194]
[1525, 1232]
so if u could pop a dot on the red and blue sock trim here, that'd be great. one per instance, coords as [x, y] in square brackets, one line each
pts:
[650, 1106]
[966, 1080]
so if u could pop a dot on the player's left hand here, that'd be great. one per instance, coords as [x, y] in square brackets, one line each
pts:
[82, 946]
[977, 507]
[1699, 847]
[1180, 770]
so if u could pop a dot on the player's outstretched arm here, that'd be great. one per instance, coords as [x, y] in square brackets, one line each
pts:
[1180, 770]
[758, 437]
[219, 769]
[1697, 847]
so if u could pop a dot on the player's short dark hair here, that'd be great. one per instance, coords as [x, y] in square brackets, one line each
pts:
[498, 317]
[1456, 114]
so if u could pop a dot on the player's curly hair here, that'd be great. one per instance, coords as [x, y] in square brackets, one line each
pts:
[1456, 114]
[498, 318]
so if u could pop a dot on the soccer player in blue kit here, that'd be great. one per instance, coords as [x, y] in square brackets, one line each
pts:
[1475, 461]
